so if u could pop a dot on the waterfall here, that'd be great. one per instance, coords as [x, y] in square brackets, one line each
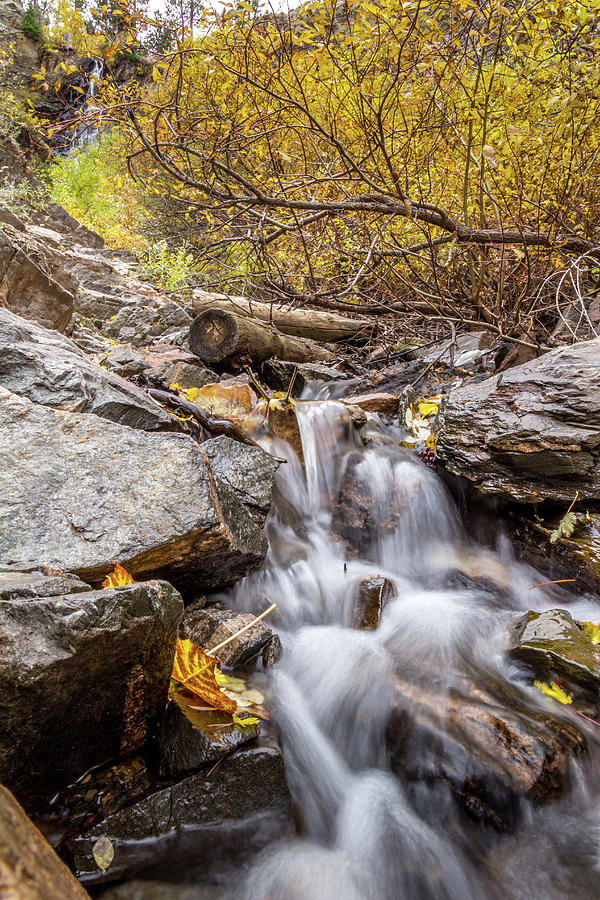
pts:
[86, 132]
[369, 830]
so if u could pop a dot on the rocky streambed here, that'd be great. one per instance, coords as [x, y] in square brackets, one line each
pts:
[408, 751]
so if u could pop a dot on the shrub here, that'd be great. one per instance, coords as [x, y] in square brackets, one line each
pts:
[170, 269]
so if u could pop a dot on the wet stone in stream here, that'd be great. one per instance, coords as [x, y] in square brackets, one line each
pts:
[552, 644]
[200, 827]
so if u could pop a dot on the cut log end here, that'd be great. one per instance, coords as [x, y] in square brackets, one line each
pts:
[217, 336]
[214, 335]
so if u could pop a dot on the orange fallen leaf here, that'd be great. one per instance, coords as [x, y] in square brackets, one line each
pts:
[194, 669]
[225, 401]
[117, 577]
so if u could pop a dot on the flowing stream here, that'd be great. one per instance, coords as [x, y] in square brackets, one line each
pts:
[376, 823]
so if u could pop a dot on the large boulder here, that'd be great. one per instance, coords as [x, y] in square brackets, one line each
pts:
[83, 678]
[49, 368]
[249, 472]
[28, 287]
[198, 827]
[29, 867]
[532, 432]
[78, 492]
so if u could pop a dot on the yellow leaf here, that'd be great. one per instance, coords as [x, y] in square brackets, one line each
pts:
[246, 720]
[592, 631]
[555, 691]
[118, 577]
[194, 669]
[429, 407]
[226, 401]
[103, 853]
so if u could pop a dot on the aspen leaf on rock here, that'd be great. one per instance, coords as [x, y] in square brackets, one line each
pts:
[118, 577]
[196, 671]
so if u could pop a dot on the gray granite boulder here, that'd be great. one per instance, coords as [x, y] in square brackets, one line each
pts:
[532, 432]
[83, 678]
[78, 492]
[249, 472]
[48, 368]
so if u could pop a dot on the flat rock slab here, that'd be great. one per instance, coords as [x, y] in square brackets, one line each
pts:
[382, 403]
[83, 678]
[552, 644]
[50, 369]
[532, 432]
[197, 827]
[24, 585]
[78, 492]
[29, 867]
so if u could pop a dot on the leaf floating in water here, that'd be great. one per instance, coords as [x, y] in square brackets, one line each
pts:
[118, 577]
[197, 671]
[592, 631]
[555, 691]
[103, 853]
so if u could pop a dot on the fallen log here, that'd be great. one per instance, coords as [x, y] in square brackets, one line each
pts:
[217, 336]
[304, 323]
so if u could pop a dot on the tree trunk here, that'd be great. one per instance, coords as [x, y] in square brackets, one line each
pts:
[305, 323]
[217, 336]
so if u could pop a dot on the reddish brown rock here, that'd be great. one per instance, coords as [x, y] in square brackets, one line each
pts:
[384, 404]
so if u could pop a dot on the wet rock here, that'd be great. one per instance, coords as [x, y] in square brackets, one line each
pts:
[29, 868]
[23, 585]
[188, 738]
[78, 492]
[249, 472]
[278, 375]
[83, 678]
[374, 591]
[50, 369]
[485, 742]
[532, 432]
[28, 288]
[208, 627]
[384, 404]
[201, 826]
[552, 644]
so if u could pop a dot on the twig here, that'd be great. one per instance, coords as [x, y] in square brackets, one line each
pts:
[291, 384]
[544, 583]
[241, 631]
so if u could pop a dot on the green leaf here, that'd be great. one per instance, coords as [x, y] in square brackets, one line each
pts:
[565, 529]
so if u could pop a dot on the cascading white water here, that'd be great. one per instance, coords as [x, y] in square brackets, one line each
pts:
[87, 131]
[365, 832]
